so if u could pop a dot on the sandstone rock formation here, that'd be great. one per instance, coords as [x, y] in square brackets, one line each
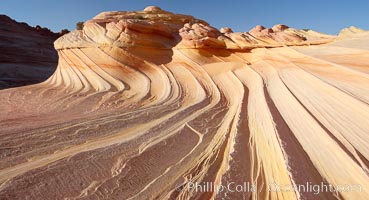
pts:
[156, 28]
[352, 30]
[143, 104]
[27, 54]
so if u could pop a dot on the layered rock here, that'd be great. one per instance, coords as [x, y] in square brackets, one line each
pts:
[156, 28]
[143, 105]
[27, 54]
[150, 28]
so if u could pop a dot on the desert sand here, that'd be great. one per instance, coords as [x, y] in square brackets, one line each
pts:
[143, 103]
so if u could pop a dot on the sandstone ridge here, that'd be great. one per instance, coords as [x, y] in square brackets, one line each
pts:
[157, 28]
[145, 104]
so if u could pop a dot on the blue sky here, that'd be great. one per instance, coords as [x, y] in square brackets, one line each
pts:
[327, 16]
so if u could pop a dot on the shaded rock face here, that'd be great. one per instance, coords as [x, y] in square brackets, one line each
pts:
[26, 54]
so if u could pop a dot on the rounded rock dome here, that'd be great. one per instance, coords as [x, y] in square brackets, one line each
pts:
[152, 8]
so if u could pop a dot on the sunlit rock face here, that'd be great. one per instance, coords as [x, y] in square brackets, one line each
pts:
[352, 30]
[27, 54]
[156, 28]
[145, 104]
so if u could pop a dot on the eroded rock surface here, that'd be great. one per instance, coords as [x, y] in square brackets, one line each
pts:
[156, 28]
[144, 104]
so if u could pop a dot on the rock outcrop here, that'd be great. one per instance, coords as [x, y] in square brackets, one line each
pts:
[27, 54]
[156, 28]
[351, 32]
[156, 105]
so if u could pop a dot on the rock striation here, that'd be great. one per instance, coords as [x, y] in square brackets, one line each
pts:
[156, 28]
[145, 104]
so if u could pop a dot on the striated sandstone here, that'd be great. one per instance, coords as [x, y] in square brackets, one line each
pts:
[156, 28]
[144, 103]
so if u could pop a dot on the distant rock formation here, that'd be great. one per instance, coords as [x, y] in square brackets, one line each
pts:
[351, 31]
[27, 54]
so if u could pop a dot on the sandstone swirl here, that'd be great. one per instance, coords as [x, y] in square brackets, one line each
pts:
[144, 103]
